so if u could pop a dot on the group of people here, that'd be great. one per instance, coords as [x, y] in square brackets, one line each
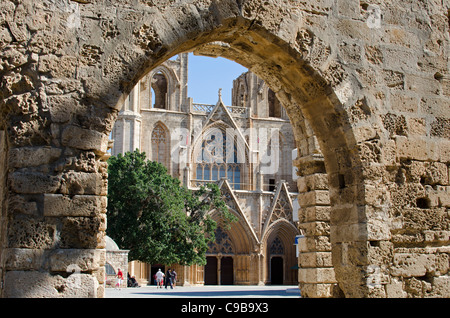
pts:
[170, 278]
[131, 281]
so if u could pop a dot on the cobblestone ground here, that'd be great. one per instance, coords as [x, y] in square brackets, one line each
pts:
[206, 292]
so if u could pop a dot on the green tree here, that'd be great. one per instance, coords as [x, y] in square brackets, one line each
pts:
[155, 217]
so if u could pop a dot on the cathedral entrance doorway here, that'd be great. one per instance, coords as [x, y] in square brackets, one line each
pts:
[219, 270]
[211, 270]
[276, 270]
[226, 271]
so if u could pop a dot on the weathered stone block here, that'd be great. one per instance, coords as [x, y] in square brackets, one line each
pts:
[314, 213]
[60, 89]
[310, 165]
[58, 66]
[316, 275]
[413, 265]
[33, 156]
[315, 259]
[28, 232]
[20, 204]
[427, 173]
[379, 229]
[395, 124]
[441, 287]
[364, 132]
[311, 182]
[348, 214]
[23, 259]
[62, 108]
[349, 9]
[422, 85]
[395, 289]
[76, 260]
[78, 205]
[316, 243]
[417, 126]
[436, 236]
[419, 148]
[435, 106]
[349, 232]
[81, 232]
[316, 197]
[380, 252]
[84, 139]
[404, 103]
[316, 290]
[33, 284]
[34, 182]
[350, 254]
[315, 228]
[83, 183]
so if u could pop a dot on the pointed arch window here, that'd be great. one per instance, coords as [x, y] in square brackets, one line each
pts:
[160, 145]
[160, 89]
[274, 104]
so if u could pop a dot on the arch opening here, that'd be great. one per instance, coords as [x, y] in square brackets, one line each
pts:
[310, 103]
[315, 114]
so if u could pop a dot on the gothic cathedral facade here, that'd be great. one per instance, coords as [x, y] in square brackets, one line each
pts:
[247, 148]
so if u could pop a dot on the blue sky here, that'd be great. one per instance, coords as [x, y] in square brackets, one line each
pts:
[206, 75]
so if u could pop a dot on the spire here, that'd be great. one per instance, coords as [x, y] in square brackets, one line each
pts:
[220, 96]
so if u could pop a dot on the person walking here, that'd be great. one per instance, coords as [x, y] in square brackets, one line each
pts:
[174, 278]
[169, 278]
[119, 278]
[159, 278]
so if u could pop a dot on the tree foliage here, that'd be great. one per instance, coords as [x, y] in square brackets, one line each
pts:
[151, 214]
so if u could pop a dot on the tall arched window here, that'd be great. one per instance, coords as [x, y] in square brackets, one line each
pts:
[218, 159]
[160, 145]
[274, 104]
[159, 90]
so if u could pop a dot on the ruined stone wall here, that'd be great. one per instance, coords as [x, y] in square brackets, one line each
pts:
[367, 84]
[117, 259]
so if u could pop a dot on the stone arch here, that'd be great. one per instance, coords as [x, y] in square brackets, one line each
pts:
[298, 86]
[64, 78]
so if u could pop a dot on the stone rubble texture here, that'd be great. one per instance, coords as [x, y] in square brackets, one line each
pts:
[366, 86]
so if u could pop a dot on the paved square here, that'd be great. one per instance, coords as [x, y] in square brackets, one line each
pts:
[232, 291]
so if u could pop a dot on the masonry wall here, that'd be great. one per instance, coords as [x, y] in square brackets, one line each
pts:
[117, 259]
